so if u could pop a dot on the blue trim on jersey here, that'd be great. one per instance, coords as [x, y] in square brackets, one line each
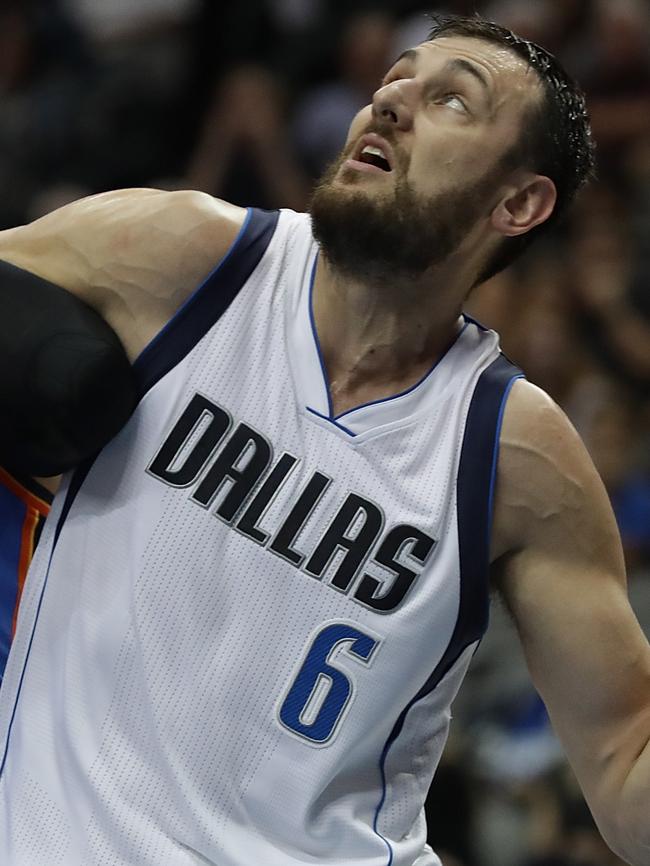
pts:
[476, 322]
[22, 674]
[179, 336]
[382, 770]
[209, 302]
[331, 421]
[408, 390]
[78, 477]
[495, 454]
[475, 489]
[314, 333]
[331, 416]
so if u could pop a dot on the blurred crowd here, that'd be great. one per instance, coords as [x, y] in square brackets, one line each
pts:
[249, 101]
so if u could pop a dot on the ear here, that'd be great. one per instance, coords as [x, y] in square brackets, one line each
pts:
[526, 207]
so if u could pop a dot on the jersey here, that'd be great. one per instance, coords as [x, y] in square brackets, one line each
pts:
[248, 617]
[24, 505]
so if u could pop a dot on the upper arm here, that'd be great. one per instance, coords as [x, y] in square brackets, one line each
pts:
[134, 255]
[560, 568]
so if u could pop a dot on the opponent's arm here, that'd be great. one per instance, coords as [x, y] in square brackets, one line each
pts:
[66, 384]
[559, 565]
[133, 255]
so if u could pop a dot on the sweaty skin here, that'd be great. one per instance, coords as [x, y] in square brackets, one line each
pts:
[135, 256]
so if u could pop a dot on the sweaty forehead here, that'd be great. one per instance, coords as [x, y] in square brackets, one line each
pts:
[505, 72]
[499, 58]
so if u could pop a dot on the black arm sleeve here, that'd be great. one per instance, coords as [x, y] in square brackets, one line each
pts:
[66, 384]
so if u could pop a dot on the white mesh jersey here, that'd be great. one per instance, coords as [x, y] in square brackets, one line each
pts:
[247, 619]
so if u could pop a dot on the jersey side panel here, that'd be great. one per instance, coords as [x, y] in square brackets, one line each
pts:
[415, 745]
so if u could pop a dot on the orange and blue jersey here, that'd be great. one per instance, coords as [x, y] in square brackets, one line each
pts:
[24, 505]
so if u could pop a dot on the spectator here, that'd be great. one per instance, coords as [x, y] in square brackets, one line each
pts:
[43, 72]
[618, 79]
[323, 118]
[243, 153]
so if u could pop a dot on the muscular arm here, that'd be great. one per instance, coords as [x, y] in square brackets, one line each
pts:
[559, 565]
[134, 255]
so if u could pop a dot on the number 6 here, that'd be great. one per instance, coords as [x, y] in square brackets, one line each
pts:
[321, 689]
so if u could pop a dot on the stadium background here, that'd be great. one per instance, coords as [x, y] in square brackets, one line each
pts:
[248, 101]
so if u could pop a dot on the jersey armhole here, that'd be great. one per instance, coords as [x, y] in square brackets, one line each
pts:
[475, 494]
[208, 302]
[475, 485]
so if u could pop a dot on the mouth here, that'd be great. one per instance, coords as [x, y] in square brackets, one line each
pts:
[372, 153]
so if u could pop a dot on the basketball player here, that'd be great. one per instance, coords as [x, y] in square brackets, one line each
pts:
[249, 614]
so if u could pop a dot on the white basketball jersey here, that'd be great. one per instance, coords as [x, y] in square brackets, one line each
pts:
[247, 618]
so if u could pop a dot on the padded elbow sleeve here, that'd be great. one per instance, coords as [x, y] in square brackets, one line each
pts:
[66, 384]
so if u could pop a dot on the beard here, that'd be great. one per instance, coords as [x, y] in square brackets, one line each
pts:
[398, 236]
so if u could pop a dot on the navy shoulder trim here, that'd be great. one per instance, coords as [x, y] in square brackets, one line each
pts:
[475, 493]
[208, 303]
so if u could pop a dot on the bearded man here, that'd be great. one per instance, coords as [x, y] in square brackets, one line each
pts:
[250, 611]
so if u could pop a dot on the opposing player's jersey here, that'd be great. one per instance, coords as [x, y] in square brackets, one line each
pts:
[247, 618]
[24, 505]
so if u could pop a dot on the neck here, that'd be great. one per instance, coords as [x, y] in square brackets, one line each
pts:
[380, 339]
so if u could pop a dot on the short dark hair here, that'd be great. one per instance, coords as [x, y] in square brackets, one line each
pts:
[555, 139]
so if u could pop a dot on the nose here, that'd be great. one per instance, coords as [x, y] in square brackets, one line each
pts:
[393, 104]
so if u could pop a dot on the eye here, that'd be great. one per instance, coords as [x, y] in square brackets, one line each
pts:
[454, 101]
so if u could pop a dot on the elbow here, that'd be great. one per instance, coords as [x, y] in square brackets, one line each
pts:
[623, 807]
[628, 832]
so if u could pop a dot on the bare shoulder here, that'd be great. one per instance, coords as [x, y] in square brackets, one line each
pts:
[134, 254]
[548, 494]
